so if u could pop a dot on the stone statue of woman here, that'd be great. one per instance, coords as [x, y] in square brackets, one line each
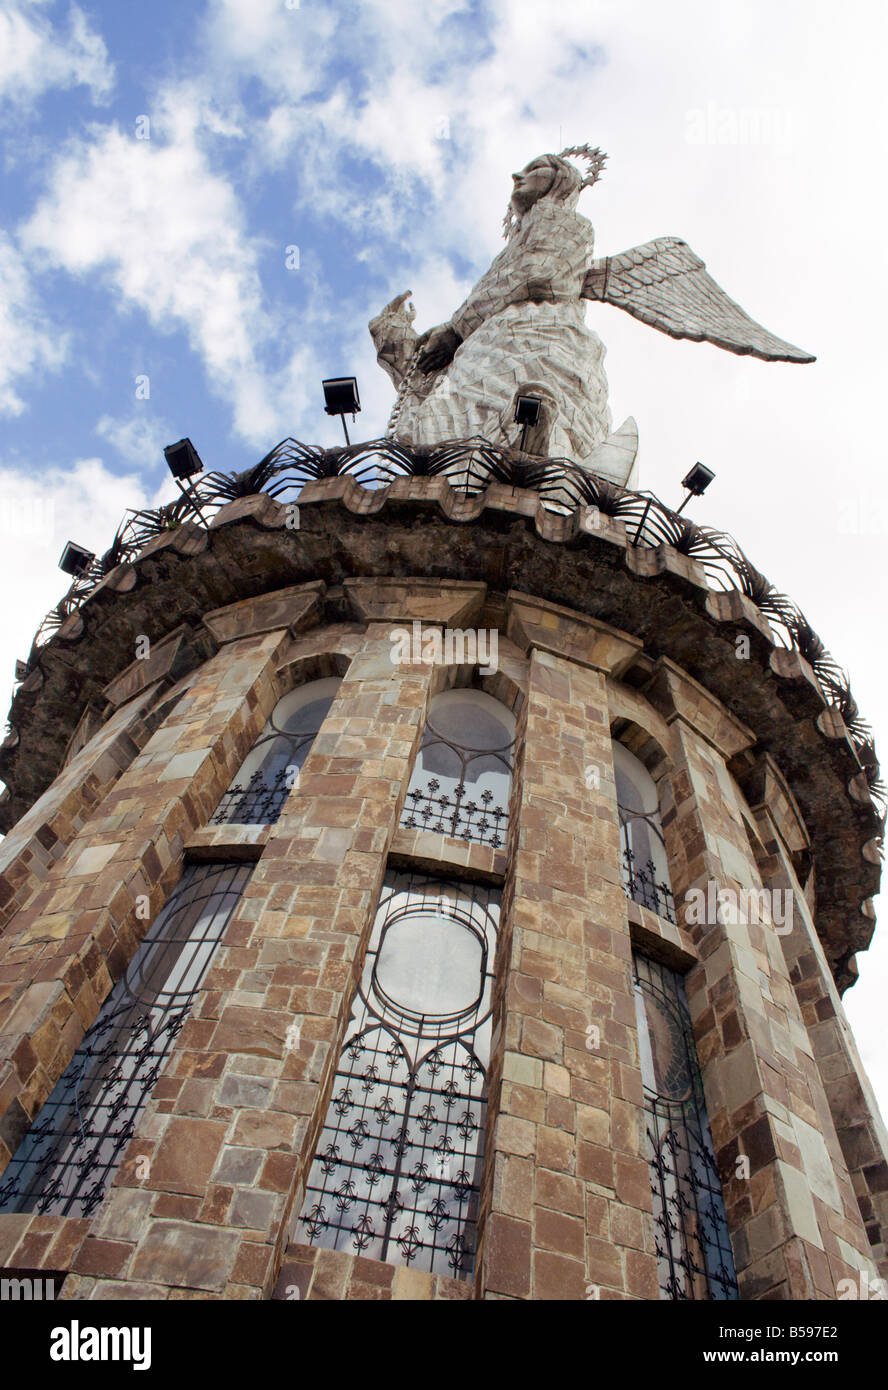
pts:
[522, 330]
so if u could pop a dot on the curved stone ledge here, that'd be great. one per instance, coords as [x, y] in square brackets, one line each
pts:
[420, 527]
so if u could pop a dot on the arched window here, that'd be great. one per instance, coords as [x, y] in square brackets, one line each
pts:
[463, 772]
[271, 768]
[694, 1256]
[67, 1159]
[397, 1171]
[645, 869]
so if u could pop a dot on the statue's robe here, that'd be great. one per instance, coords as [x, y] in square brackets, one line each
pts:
[513, 345]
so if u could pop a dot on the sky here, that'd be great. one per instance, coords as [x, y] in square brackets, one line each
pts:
[204, 205]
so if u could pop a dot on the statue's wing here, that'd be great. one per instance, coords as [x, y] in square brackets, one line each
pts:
[665, 284]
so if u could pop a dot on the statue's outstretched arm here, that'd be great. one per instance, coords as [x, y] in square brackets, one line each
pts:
[394, 336]
[665, 284]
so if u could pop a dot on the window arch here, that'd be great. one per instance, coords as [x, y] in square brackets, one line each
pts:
[66, 1161]
[271, 768]
[463, 772]
[645, 866]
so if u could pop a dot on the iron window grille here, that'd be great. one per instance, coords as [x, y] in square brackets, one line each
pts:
[258, 801]
[693, 1246]
[462, 778]
[271, 769]
[67, 1159]
[397, 1171]
[640, 881]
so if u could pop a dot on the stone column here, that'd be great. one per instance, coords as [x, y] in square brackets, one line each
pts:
[855, 1112]
[566, 1206]
[793, 1228]
[37, 841]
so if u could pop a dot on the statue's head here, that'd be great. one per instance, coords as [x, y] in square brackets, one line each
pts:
[551, 176]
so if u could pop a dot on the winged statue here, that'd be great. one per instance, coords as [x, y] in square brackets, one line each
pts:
[522, 329]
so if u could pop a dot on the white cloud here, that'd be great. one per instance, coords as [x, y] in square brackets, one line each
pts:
[28, 342]
[35, 57]
[139, 438]
[39, 512]
[169, 233]
[286, 44]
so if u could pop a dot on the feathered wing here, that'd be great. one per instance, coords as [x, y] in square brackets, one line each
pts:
[666, 285]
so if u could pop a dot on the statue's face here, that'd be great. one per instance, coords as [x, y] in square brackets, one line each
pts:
[533, 183]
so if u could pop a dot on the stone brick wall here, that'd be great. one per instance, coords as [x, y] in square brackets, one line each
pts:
[795, 1224]
[30, 850]
[60, 956]
[232, 1127]
[855, 1114]
[567, 1196]
[311, 1274]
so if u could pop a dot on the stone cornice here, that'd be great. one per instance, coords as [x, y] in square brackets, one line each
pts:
[550, 627]
[677, 696]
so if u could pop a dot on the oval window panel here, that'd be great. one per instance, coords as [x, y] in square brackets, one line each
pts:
[429, 965]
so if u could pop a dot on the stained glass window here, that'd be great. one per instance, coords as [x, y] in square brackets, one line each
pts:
[72, 1150]
[397, 1171]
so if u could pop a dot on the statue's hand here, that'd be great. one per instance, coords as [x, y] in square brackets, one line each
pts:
[395, 317]
[440, 345]
[395, 307]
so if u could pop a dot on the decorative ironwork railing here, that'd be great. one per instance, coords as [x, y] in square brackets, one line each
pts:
[640, 884]
[259, 802]
[445, 806]
[470, 466]
[691, 1238]
[486, 824]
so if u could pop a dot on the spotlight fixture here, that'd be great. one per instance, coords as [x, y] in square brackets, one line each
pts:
[527, 413]
[696, 482]
[183, 459]
[76, 560]
[341, 398]
[184, 462]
